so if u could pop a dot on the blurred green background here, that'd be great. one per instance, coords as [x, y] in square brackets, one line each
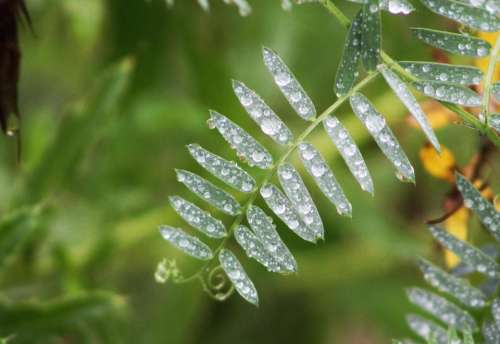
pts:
[111, 92]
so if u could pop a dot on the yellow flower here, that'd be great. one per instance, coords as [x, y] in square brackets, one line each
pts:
[482, 63]
[438, 165]
[457, 225]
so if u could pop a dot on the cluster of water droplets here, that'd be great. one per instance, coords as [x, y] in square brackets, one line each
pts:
[186, 243]
[453, 42]
[262, 114]
[212, 194]
[245, 145]
[284, 209]
[449, 93]
[486, 212]
[289, 86]
[226, 171]
[492, 6]
[474, 258]
[494, 122]
[427, 329]
[234, 270]
[243, 6]
[442, 309]
[382, 135]
[495, 311]
[475, 18]
[297, 193]
[490, 332]
[411, 103]
[397, 6]
[317, 167]
[349, 152]
[255, 249]
[198, 218]
[456, 287]
[441, 72]
[265, 230]
[495, 91]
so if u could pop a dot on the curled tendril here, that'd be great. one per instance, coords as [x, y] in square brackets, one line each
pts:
[216, 283]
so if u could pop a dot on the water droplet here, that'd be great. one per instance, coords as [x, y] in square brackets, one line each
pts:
[375, 123]
[282, 79]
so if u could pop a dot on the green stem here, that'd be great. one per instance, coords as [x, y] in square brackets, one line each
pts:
[272, 171]
[488, 81]
[341, 17]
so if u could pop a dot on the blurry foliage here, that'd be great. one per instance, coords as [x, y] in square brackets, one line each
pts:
[80, 212]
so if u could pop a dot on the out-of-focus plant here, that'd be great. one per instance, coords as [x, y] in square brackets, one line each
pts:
[77, 314]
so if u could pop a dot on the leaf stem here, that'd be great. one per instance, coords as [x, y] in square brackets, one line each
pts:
[334, 10]
[489, 79]
[291, 148]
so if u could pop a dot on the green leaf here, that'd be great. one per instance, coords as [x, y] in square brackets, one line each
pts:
[442, 309]
[453, 42]
[245, 145]
[473, 257]
[262, 114]
[495, 90]
[226, 171]
[427, 329]
[475, 18]
[255, 249]
[186, 243]
[285, 210]
[411, 103]
[442, 72]
[449, 93]
[490, 332]
[349, 152]
[485, 210]
[451, 285]
[198, 218]
[265, 230]
[382, 135]
[234, 270]
[492, 6]
[210, 193]
[317, 167]
[392, 6]
[289, 86]
[495, 311]
[297, 193]
[347, 70]
[371, 38]
[494, 121]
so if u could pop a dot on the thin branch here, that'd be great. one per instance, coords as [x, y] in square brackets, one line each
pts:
[489, 79]
[341, 17]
